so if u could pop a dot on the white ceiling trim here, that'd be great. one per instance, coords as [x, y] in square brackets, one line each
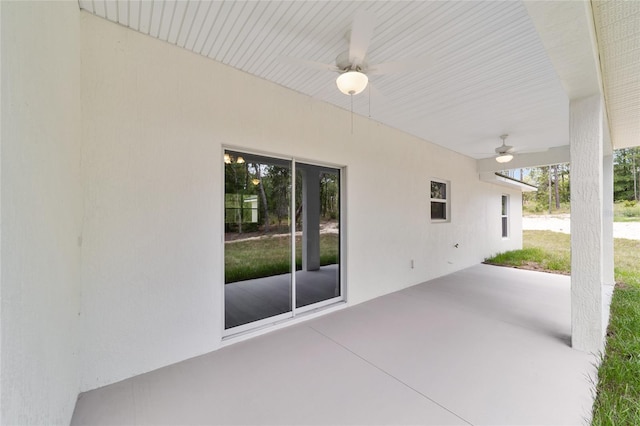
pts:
[498, 179]
[618, 32]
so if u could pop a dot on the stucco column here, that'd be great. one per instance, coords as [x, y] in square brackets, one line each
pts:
[586, 132]
[608, 278]
[310, 219]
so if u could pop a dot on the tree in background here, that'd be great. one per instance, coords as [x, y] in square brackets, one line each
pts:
[553, 181]
[626, 165]
[553, 187]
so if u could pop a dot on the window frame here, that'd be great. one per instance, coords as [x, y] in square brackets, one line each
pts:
[505, 224]
[446, 200]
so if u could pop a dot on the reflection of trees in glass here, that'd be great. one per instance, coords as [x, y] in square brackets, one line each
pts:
[236, 193]
[438, 200]
[329, 190]
[258, 196]
[258, 182]
[438, 190]
[266, 187]
[277, 181]
[240, 209]
[254, 193]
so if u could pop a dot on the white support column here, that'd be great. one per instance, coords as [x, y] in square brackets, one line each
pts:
[608, 278]
[311, 219]
[586, 133]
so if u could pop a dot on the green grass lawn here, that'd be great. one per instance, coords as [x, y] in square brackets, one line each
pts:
[618, 391]
[626, 219]
[264, 257]
[626, 211]
[533, 207]
[541, 250]
[623, 211]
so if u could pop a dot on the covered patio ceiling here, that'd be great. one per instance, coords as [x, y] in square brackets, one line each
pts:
[493, 67]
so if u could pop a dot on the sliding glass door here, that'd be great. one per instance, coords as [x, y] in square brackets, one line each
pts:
[318, 241]
[282, 239]
[257, 248]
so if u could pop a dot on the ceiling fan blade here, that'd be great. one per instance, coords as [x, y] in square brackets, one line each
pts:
[361, 33]
[307, 64]
[401, 66]
[504, 149]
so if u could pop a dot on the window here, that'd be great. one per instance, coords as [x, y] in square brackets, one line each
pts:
[439, 201]
[505, 216]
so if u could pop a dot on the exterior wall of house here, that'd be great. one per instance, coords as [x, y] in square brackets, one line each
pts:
[41, 211]
[155, 120]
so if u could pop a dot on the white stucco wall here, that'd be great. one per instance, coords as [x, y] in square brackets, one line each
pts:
[41, 211]
[155, 119]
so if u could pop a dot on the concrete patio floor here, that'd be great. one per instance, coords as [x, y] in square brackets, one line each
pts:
[482, 346]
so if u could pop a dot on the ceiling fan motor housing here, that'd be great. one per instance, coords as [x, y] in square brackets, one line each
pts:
[504, 148]
[343, 63]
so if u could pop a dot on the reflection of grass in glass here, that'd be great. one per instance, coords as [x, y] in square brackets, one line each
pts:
[244, 260]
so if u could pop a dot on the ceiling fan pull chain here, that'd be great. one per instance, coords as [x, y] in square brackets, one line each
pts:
[351, 96]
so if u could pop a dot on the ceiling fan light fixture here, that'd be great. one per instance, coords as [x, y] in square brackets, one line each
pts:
[352, 82]
[504, 158]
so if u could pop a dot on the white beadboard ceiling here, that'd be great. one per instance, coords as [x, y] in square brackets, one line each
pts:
[618, 30]
[489, 72]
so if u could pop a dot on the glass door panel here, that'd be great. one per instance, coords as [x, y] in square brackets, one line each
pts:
[257, 248]
[318, 234]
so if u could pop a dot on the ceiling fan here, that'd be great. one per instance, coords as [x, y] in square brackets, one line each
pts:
[504, 153]
[352, 65]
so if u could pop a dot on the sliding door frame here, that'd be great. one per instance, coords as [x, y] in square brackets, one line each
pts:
[295, 312]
